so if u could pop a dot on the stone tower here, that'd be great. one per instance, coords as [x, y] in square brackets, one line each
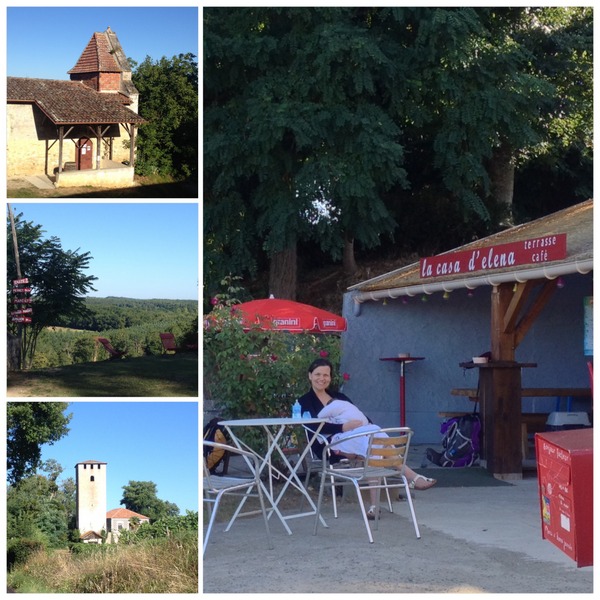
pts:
[91, 496]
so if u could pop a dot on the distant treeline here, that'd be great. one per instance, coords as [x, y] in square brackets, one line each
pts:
[120, 313]
[131, 325]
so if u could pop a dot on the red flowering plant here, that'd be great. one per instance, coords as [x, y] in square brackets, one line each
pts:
[255, 372]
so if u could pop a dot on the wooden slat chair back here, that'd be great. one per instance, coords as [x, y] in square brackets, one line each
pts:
[382, 469]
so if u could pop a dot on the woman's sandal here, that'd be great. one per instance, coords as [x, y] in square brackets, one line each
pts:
[422, 483]
[371, 513]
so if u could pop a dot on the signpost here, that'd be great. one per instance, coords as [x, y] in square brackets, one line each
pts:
[19, 315]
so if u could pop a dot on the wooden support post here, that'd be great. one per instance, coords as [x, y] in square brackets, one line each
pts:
[61, 132]
[500, 389]
[132, 146]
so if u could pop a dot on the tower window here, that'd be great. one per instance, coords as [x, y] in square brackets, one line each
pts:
[92, 478]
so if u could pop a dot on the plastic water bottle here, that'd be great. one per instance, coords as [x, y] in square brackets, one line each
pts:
[296, 414]
[306, 415]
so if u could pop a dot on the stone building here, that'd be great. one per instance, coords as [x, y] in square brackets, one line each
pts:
[81, 131]
[93, 521]
[123, 519]
[91, 499]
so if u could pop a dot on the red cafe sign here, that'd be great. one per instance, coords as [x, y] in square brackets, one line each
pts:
[21, 290]
[23, 300]
[537, 250]
[23, 311]
[17, 282]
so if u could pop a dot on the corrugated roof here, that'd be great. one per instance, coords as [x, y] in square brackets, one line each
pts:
[123, 513]
[69, 102]
[576, 221]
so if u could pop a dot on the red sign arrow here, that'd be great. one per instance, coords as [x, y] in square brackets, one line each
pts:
[20, 281]
[23, 311]
[21, 290]
[23, 300]
[21, 319]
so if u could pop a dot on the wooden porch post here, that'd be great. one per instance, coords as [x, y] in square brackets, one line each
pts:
[132, 146]
[500, 386]
[61, 131]
[98, 146]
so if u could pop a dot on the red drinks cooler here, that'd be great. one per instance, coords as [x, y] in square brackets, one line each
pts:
[565, 475]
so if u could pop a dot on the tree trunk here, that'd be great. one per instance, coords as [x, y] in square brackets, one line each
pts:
[502, 177]
[13, 354]
[283, 274]
[349, 258]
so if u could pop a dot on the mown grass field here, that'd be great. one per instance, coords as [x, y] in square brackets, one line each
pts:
[146, 376]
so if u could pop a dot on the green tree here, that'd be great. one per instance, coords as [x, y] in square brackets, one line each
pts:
[292, 111]
[317, 121]
[140, 497]
[38, 509]
[56, 278]
[168, 143]
[30, 425]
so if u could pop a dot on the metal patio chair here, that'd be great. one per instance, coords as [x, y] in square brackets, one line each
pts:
[382, 468]
[217, 486]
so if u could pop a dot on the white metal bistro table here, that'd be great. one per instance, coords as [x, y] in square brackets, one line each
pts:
[274, 428]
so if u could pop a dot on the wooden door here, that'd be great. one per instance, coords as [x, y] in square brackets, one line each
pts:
[84, 153]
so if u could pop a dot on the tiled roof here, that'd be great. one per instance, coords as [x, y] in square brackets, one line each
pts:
[123, 513]
[69, 102]
[97, 56]
[88, 535]
[91, 462]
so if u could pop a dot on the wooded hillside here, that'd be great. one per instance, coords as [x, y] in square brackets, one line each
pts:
[132, 326]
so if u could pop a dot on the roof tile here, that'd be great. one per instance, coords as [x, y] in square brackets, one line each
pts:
[70, 102]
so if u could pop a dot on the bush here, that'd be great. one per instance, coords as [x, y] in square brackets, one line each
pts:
[259, 373]
[19, 550]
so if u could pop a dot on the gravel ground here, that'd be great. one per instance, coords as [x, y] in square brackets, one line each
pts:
[473, 540]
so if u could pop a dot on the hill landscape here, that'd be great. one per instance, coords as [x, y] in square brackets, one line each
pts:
[70, 361]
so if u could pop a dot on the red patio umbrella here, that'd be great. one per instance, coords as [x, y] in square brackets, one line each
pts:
[287, 315]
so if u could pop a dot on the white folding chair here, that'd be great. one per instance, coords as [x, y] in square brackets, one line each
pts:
[217, 486]
[382, 468]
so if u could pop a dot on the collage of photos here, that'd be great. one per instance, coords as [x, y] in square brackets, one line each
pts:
[102, 265]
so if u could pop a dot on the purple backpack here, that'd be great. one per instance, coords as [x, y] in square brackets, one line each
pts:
[460, 442]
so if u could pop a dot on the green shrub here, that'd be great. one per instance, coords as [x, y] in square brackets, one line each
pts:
[19, 550]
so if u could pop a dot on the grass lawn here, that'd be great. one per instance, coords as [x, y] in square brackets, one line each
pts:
[146, 376]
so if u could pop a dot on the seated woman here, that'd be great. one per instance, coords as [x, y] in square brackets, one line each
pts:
[317, 399]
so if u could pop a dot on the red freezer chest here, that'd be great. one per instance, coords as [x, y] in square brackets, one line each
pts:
[565, 476]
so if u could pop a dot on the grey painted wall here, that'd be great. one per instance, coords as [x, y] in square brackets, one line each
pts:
[447, 332]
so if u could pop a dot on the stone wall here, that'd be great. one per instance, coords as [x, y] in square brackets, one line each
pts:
[28, 132]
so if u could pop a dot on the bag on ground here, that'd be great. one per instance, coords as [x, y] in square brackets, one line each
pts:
[213, 432]
[460, 442]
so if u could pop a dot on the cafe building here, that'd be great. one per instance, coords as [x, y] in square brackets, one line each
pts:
[522, 299]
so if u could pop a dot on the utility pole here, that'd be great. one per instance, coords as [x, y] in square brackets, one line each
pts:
[19, 275]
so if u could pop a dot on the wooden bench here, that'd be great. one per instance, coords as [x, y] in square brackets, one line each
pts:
[472, 393]
[530, 423]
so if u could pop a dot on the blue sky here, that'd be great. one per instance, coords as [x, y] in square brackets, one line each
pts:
[140, 441]
[139, 250]
[47, 42]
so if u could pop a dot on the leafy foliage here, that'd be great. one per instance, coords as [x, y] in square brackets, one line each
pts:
[168, 143]
[325, 126]
[29, 425]
[140, 497]
[56, 277]
[258, 373]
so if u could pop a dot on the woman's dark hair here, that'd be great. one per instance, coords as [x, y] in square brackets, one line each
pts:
[320, 362]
